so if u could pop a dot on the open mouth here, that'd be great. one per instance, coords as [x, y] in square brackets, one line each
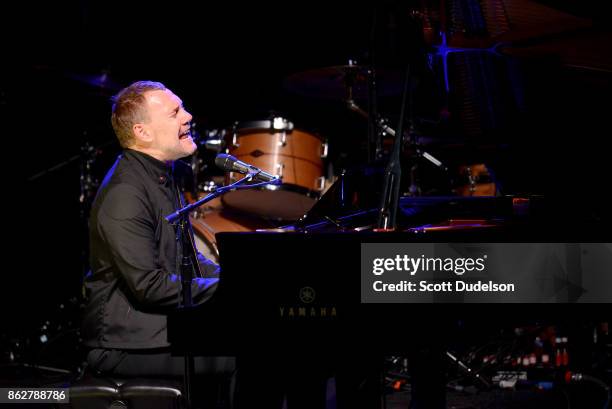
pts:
[186, 134]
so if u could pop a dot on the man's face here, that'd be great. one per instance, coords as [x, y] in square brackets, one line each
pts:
[168, 126]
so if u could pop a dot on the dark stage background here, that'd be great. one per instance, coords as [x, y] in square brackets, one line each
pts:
[540, 120]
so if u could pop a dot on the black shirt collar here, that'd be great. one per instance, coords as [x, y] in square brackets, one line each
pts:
[159, 171]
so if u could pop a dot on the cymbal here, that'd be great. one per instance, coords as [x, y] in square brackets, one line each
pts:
[100, 82]
[338, 82]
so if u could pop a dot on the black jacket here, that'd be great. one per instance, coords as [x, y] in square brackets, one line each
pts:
[133, 281]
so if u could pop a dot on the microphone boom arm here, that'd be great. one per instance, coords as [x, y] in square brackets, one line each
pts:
[240, 184]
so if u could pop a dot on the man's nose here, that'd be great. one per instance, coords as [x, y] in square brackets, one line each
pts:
[188, 117]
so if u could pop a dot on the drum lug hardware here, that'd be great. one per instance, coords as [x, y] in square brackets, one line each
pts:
[471, 181]
[281, 124]
[208, 186]
[320, 183]
[324, 150]
[283, 139]
[279, 169]
[235, 135]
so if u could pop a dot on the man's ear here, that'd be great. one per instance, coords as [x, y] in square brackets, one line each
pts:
[140, 133]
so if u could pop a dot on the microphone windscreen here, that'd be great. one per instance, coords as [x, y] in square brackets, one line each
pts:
[224, 161]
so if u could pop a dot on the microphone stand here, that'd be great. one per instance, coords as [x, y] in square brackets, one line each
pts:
[171, 218]
[189, 262]
[393, 173]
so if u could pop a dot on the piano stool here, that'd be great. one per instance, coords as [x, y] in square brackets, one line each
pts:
[106, 392]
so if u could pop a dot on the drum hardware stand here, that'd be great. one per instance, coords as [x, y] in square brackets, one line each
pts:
[88, 186]
[386, 129]
[214, 140]
[66, 162]
[469, 371]
[374, 137]
[393, 172]
[414, 189]
[189, 261]
[374, 129]
[383, 128]
[88, 183]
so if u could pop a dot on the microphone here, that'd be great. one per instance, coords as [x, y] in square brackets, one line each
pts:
[231, 164]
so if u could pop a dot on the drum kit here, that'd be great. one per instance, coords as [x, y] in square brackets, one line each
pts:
[279, 147]
[294, 155]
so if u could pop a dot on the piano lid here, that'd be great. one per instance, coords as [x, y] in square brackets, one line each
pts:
[351, 204]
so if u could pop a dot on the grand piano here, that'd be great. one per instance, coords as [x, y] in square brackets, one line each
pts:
[297, 288]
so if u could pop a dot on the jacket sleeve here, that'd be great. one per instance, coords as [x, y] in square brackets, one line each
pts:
[125, 224]
[208, 267]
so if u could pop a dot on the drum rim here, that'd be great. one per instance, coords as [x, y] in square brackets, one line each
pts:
[201, 229]
[266, 125]
[262, 124]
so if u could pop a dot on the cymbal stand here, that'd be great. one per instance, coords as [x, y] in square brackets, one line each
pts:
[66, 162]
[383, 128]
[374, 141]
[89, 185]
[374, 130]
[381, 123]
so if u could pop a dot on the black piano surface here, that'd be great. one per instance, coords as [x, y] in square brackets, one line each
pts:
[259, 304]
[298, 288]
